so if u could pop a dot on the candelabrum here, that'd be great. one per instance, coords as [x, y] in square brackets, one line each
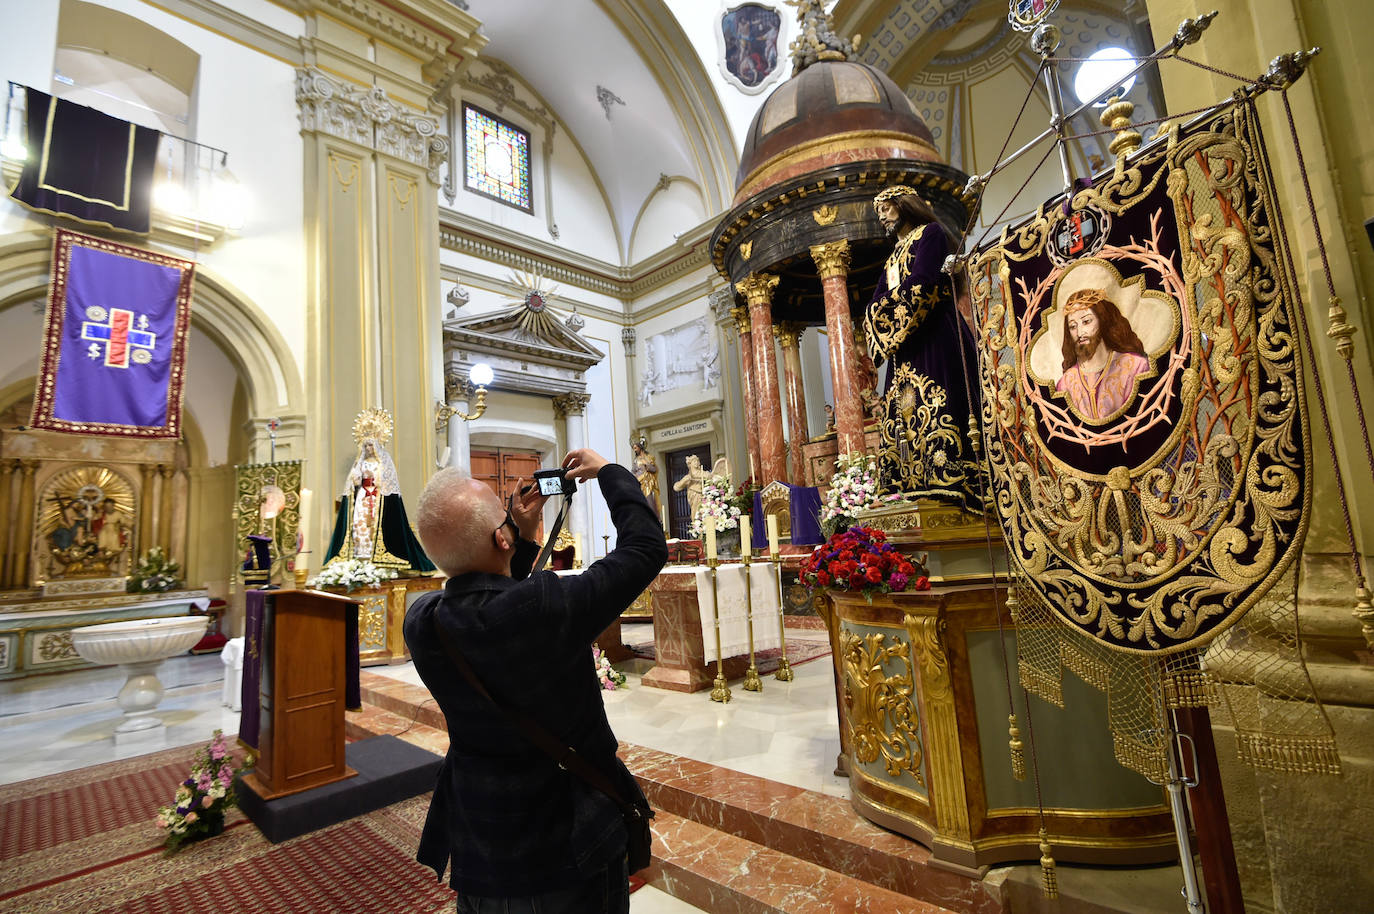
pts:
[719, 690]
[752, 683]
[784, 673]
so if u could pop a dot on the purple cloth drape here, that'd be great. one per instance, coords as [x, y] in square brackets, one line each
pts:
[255, 602]
[806, 517]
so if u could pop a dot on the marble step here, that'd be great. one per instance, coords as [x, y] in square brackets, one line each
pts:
[726, 874]
[814, 827]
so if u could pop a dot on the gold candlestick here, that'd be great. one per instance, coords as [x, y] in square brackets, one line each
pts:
[719, 690]
[784, 672]
[752, 683]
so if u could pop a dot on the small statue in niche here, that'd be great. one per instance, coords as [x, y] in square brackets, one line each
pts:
[646, 471]
[371, 523]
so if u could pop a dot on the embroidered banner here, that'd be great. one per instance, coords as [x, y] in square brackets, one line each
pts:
[114, 352]
[1144, 397]
[86, 165]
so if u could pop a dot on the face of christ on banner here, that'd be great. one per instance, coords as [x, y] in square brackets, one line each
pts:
[1103, 356]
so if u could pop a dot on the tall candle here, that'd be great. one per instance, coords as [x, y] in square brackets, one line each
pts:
[663, 515]
[746, 537]
[577, 547]
[303, 522]
[711, 542]
[753, 470]
[772, 534]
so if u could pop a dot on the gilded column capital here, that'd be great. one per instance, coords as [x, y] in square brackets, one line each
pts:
[788, 333]
[28, 466]
[165, 471]
[741, 319]
[832, 258]
[368, 117]
[570, 404]
[757, 288]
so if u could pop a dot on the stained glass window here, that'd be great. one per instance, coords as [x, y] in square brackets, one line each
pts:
[497, 156]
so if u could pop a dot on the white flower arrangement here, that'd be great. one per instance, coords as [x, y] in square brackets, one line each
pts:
[715, 507]
[853, 488]
[351, 574]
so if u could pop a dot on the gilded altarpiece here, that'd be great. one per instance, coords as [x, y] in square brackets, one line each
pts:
[267, 502]
[76, 512]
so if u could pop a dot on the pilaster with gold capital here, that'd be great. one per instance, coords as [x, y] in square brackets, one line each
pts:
[7, 471]
[832, 263]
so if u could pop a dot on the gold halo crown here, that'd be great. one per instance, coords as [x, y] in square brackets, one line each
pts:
[373, 423]
[889, 193]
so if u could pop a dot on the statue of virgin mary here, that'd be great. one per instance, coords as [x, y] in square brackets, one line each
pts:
[371, 524]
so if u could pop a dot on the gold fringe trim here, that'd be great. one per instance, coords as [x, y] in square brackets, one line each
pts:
[1144, 758]
[1094, 672]
[1038, 682]
[1289, 754]
[1018, 755]
[1185, 689]
[1049, 879]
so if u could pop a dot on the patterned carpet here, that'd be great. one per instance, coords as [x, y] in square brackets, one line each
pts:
[86, 841]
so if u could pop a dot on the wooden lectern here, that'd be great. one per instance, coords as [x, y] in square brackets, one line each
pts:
[301, 693]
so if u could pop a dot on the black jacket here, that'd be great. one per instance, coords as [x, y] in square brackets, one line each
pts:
[511, 821]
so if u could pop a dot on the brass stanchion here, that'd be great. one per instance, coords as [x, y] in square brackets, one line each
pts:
[752, 683]
[784, 673]
[719, 690]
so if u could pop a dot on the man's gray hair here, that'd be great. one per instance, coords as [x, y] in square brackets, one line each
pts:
[453, 521]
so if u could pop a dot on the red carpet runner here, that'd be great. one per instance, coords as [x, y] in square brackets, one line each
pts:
[86, 841]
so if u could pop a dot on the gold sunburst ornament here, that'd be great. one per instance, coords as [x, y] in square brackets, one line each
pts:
[373, 423]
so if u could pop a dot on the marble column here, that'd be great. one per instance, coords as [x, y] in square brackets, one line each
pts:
[7, 470]
[459, 437]
[758, 292]
[832, 262]
[572, 409]
[789, 334]
[23, 541]
[746, 370]
[164, 511]
[868, 373]
[145, 508]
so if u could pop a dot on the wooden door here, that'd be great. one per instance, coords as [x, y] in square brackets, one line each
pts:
[679, 516]
[502, 471]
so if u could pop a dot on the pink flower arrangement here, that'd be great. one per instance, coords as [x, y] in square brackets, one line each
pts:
[609, 677]
[204, 797]
[862, 559]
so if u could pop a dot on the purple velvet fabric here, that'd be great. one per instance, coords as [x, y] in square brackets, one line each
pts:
[255, 602]
[806, 518]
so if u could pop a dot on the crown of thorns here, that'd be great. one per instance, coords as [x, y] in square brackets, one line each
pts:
[889, 193]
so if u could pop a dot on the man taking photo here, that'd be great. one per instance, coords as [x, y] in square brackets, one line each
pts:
[523, 833]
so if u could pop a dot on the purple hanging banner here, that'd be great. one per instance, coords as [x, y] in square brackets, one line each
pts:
[114, 353]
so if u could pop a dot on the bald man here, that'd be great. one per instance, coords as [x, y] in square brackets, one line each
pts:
[523, 834]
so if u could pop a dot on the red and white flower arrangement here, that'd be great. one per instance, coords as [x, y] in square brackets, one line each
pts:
[204, 797]
[861, 559]
[853, 488]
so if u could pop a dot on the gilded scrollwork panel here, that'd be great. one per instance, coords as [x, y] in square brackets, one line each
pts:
[883, 719]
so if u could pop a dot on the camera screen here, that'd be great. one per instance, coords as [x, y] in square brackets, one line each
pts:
[550, 485]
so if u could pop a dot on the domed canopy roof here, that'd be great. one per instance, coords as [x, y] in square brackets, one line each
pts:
[832, 111]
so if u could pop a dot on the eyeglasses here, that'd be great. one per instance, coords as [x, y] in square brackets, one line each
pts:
[510, 500]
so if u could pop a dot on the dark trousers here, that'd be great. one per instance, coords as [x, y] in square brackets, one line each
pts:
[607, 892]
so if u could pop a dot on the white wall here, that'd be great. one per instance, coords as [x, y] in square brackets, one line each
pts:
[667, 214]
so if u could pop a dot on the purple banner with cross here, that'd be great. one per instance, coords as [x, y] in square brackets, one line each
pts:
[114, 351]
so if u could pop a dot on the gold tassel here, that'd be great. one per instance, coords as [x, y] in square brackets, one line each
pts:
[1013, 606]
[1364, 611]
[1049, 880]
[1018, 755]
